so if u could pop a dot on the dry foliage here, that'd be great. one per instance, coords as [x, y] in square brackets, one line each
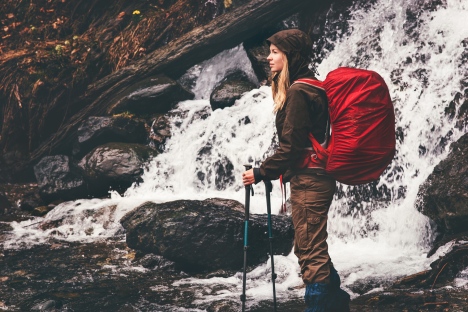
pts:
[51, 50]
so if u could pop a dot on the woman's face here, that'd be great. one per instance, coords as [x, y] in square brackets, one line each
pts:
[275, 58]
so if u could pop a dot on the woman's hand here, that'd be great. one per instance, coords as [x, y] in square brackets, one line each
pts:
[248, 177]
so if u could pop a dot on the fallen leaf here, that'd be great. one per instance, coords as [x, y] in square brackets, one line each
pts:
[20, 273]
[4, 278]
[116, 39]
[130, 255]
[10, 15]
[121, 15]
[25, 30]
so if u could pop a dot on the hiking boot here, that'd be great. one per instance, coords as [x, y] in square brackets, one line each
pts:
[316, 297]
[321, 297]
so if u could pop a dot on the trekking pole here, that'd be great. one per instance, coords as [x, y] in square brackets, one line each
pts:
[248, 188]
[268, 189]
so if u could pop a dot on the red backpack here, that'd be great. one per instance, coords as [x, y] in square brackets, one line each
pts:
[362, 141]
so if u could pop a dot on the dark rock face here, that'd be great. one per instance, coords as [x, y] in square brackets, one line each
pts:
[326, 22]
[58, 179]
[229, 90]
[201, 236]
[444, 196]
[96, 131]
[114, 165]
[257, 51]
[17, 200]
[153, 95]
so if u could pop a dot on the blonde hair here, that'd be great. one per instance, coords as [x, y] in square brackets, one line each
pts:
[280, 84]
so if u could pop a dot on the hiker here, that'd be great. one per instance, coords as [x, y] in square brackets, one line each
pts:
[302, 109]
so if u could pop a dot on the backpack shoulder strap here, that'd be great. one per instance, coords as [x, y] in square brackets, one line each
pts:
[319, 85]
[312, 82]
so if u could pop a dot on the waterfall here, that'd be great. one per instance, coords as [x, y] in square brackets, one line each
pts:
[375, 232]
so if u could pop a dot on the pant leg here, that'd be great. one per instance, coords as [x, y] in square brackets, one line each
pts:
[311, 197]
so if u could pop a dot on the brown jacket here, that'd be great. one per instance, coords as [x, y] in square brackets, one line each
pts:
[305, 110]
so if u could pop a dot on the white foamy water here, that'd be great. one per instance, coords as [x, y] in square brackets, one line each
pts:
[371, 238]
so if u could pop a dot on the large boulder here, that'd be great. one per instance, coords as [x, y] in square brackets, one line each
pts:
[444, 195]
[202, 236]
[157, 94]
[114, 166]
[58, 178]
[257, 50]
[230, 89]
[95, 131]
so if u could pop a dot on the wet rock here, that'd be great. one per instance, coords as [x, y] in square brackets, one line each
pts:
[155, 262]
[230, 89]
[257, 50]
[17, 200]
[41, 211]
[114, 166]
[160, 132]
[58, 179]
[443, 197]
[223, 306]
[5, 205]
[156, 94]
[204, 236]
[95, 131]
[326, 22]
[458, 108]
[444, 270]
[48, 305]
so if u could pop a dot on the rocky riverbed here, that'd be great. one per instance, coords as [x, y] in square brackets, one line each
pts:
[109, 276]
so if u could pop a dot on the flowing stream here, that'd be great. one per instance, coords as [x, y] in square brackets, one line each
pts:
[375, 232]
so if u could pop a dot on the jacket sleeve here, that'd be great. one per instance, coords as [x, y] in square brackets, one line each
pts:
[295, 135]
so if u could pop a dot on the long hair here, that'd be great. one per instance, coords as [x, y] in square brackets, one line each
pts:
[280, 84]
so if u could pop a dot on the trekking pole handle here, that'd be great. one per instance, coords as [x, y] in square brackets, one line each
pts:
[249, 187]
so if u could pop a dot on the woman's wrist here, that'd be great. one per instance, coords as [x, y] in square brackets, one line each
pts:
[257, 175]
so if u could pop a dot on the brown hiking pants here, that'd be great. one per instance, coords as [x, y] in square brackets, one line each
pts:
[311, 197]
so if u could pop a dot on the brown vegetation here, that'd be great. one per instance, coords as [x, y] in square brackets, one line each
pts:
[51, 50]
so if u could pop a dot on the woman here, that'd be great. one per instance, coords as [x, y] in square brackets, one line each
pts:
[302, 109]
